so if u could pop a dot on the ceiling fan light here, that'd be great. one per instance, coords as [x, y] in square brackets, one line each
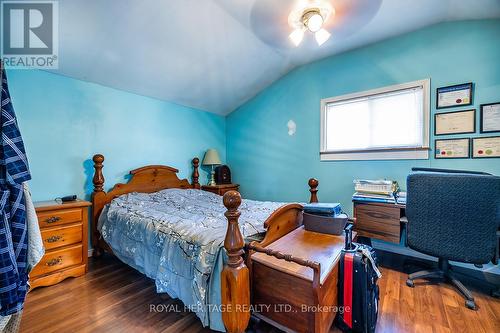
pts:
[296, 36]
[322, 36]
[314, 22]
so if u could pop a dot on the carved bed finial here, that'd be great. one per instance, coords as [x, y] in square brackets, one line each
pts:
[98, 179]
[234, 242]
[235, 278]
[313, 184]
[196, 175]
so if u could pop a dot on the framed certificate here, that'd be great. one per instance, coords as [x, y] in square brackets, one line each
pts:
[452, 148]
[486, 147]
[456, 122]
[490, 118]
[452, 96]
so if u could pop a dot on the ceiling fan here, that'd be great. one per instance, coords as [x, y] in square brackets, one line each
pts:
[273, 21]
[310, 16]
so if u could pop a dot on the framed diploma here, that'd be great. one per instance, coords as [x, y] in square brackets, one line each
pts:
[486, 147]
[452, 148]
[456, 122]
[452, 96]
[490, 118]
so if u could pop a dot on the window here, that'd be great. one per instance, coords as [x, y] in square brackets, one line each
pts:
[386, 123]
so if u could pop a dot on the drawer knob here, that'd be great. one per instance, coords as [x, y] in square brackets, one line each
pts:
[53, 239]
[55, 261]
[52, 219]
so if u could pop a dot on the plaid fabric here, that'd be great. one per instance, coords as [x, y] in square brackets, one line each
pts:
[13, 230]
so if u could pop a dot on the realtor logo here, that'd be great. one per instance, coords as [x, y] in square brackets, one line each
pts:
[29, 34]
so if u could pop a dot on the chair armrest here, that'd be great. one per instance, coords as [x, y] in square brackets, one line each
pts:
[404, 222]
[497, 251]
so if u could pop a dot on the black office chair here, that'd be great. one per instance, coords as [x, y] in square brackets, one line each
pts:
[452, 215]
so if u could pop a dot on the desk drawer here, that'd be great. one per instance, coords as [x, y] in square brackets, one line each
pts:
[62, 236]
[59, 217]
[57, 259]
[380, 222]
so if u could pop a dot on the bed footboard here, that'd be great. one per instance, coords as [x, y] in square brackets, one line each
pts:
[235, 278]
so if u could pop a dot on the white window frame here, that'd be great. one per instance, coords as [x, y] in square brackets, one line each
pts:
[379, 153]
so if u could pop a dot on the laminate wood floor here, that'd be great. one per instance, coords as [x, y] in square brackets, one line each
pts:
[113, 297]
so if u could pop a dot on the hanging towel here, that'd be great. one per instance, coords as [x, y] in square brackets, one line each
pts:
[13, 230]
[35, 242]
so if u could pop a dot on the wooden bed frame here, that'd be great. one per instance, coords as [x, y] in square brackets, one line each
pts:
[235, 279]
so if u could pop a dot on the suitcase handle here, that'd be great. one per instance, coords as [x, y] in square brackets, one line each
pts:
[348, 236]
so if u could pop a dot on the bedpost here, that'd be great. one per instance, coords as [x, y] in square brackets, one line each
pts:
[235, 282]
[98, 179]
[196, 175]
[97, 203]
[313, 184]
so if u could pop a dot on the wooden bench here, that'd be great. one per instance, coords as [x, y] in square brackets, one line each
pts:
[294, 280]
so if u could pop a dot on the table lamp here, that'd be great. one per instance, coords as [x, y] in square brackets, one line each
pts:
[211, 158]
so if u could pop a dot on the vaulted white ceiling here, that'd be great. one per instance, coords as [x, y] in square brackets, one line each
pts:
[216, 54]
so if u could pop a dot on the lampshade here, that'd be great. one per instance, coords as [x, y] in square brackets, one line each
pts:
[314, 22]
[211, 157]
[322, 36]
[296, 36]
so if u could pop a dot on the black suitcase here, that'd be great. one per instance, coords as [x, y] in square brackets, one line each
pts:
[358, 290]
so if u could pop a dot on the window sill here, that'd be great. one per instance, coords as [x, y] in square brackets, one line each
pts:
[396, 154]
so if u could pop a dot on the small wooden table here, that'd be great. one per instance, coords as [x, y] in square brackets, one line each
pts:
[300, 292]
[221, 189]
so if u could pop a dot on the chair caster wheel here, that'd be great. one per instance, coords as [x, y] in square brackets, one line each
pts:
[470, 304]
[410, 283]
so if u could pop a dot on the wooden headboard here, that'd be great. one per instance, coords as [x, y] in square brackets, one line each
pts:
[148, 179]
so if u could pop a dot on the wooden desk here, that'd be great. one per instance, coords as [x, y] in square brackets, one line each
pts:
[290, 295]
[382, 221]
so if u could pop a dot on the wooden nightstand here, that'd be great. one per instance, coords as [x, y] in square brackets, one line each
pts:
[221, 189]
[64, 228]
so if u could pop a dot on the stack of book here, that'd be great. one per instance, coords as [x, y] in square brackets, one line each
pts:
[375, 191]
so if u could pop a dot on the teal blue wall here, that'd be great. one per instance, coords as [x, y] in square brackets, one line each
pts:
[269, 164]
[64, 122]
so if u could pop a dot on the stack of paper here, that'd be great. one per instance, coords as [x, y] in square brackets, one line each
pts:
[376, 186]
[375, 190]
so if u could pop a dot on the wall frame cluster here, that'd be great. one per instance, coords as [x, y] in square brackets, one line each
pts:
[464, 122]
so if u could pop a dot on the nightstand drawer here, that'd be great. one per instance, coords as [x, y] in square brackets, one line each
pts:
[220, 189]
[57, 259]
[224, 190]
[62, 236]
[58, 217]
